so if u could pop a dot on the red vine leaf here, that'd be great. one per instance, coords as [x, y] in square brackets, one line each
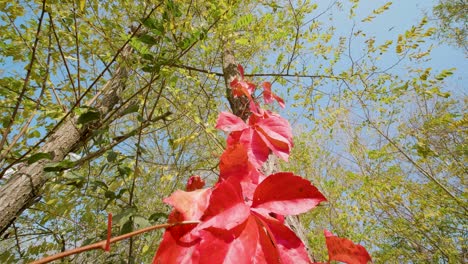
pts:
[342, 249]
[277, 135]
[262, 134]
[268, 96]
[290, 248]
[257, 149]
[230, 122]
[241, 70]
[286, 194]
[191, 205]
[235, 163]
[227, 208]
[173, 251]
[195, 182]
[236, 246]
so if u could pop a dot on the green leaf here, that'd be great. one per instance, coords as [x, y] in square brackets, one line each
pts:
[156, 216]
[89, 116]
[141, 221]
[59, 166]
[39, 156]
[147, 39]
[131, 109]
[109, 194]
[126, 228]
[156, 26]
[101, 184]
[111, 156]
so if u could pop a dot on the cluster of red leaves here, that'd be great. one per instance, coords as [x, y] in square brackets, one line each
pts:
[242, 216]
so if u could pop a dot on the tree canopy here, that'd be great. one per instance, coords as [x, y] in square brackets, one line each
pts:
[110, 106]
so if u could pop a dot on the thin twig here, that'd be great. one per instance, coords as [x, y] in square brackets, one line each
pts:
[33, 114]
[258, 74]
[136, 172]
[64, 63]
[296, 38]
[26, 79]
[102, 244]
[77, 51]
[401, 151]
[119, 140]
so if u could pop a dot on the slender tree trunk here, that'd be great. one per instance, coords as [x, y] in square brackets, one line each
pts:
[239, 107]
[24, 187]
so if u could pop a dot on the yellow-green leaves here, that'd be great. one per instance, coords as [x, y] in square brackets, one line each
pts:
[376, 12]
[82, 5]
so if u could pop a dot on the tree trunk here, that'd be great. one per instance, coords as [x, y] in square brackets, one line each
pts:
[239, 107]
[24, 187]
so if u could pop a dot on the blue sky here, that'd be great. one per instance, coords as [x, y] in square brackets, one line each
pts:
[401, 16]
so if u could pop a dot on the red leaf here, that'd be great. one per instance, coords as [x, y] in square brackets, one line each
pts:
[268, 96]
[342, 249]
[286, 194]
[267, 251]
[230, 122]
[279, 100]
[291, 249]
[277, 134]
[227, 208]
[195, 182]
[234, 162]
[241, 87]
[241, 70]
[257, 149]
[267, 92]
[236, 246]
[191, 205]
[173, 251]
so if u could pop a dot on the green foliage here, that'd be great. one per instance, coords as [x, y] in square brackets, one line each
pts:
[368, 135]
[452, 20]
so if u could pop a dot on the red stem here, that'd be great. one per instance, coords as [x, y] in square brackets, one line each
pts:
[109, 232]
[102, 244]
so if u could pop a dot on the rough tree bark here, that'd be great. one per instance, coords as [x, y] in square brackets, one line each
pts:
[239, 107]
[24, 187]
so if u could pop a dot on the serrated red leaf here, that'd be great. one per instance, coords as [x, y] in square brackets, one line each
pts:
[286, 194]
[230, 122]
[291, 249]
[277, 134]
[241, 87]
[268, 96]
[267, 251]
[235, 163]
[263, 133]
[237, 246]
[241, 70]
[257, 149]
[227, 208]
[195, 182]
[279, 100]
[342, 249]
[172, 251]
